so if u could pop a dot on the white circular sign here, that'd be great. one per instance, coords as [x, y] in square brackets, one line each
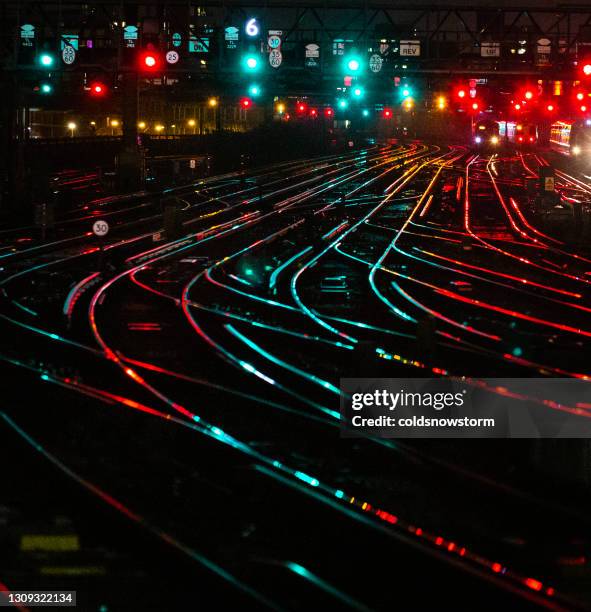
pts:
[375, 62]
[172, 57]
[252, 27]
[275, 58]
[274, 41]
[68, 54]
[100, 228]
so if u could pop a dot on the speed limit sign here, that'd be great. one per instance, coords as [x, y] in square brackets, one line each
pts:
[275, 58]
[100, 228]
[274, 41]
[172, 57]
[376, 62]
[68, 55]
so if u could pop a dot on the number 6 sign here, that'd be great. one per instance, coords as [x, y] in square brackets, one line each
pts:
[252, 27]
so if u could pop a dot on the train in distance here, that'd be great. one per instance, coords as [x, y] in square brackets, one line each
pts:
[570, 137]
[491, 135]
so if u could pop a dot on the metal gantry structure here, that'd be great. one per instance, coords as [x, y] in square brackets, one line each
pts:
[297, 47]
[439, 37]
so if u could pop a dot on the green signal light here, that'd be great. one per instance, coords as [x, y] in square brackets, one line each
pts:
[353, 64]
[358, 92]
[254, 90]
[342, 104]
[46, 60]
[365, 112]
[251, 62]
[46, 88]
[406, 92]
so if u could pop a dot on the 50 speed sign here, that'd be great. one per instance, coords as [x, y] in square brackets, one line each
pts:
[274, 41]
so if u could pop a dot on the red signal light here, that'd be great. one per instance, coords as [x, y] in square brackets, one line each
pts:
[528, 95]
[580, 95]
[301, 107]
[550, 108]
[245, 102]
[328, 112]
[583, 109]
[475, 106]
[461, 93]
[149, 61]
[387, 113]
[313, 112]
[97, 89]
[517, 107]
[587, 69]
